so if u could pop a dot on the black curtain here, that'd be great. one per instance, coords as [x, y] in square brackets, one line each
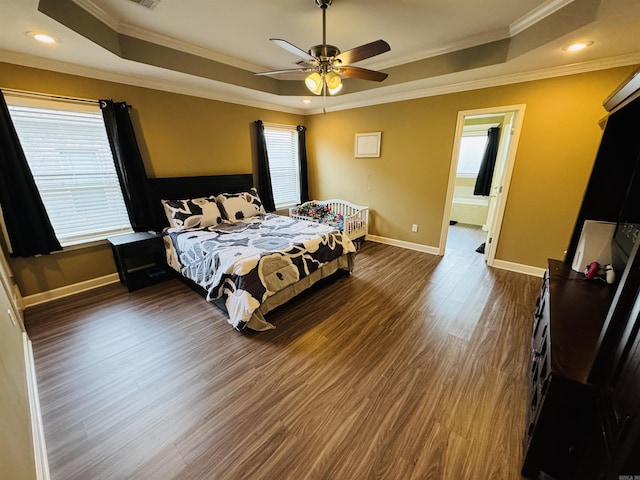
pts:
[302, 155]
[265, 190]
[129, 166]
[485, 175]
[29, 228]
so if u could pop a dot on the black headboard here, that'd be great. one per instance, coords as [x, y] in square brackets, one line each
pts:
[178, 188]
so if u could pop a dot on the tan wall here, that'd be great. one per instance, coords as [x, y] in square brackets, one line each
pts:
[17, 458]
[408, 183]
[182, 135]
[178, 135]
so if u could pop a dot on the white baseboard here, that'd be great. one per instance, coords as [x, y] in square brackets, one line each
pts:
[402, 244]
[501, 264]
[43, 297]
[518, 268]
[37, 428]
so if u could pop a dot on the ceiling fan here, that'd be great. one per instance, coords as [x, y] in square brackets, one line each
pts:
[326, 64]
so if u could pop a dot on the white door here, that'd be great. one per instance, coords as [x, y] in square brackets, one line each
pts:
[497, 182]
[510, 136]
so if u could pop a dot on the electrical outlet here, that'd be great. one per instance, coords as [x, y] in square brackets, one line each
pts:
[414, 227]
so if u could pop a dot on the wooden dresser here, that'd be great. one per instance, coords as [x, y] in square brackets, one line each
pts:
[568, 319]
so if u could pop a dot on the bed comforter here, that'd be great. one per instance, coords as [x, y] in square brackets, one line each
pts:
[248, 261]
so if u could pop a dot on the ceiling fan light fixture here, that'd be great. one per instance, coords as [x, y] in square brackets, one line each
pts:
[314, 83]
[334, 82]
[324, 60]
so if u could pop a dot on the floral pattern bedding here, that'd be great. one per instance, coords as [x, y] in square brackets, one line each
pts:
[245, 262]
[321, 213]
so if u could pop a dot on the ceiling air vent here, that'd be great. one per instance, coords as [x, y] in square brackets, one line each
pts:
[150, 4]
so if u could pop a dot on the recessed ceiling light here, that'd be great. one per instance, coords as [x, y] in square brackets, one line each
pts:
[576, 46]
[306, 100]
[43, 37]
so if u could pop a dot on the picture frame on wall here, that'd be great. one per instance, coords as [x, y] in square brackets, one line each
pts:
[367, 144]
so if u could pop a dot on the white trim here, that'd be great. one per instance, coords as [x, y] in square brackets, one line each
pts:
[518, 268]
[519, 111]
[117, 25]
[451, 184]
[508, 79]
[478, 130]
[462, 44]
[174, 44]
[402, 244]
[123, 28]
[500, 264]
[219, 91]
[7, 280]
[98, 13]
[516, 129]
[537, 14]
[56, 293]
[37, 428]
[225, 95]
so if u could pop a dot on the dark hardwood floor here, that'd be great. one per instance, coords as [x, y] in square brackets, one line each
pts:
[412, 367]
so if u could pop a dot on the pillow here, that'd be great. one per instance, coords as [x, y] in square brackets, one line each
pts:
[192, 213]
[238, 206]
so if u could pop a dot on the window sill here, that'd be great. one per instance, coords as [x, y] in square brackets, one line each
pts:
[90, 242]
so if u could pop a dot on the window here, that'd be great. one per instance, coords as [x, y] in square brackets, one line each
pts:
[471, 152]
[68, 151]
[472, 146]
[284, 164]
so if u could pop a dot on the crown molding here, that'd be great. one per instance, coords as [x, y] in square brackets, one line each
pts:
[537, 14]
[468, 42]
[221, 92]
[99, 13]
[164, 40]
[170, 42]
[238, 95]
[541, 74]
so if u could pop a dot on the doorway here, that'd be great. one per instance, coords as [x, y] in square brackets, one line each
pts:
[484, 211]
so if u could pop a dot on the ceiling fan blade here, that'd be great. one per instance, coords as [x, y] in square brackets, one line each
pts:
[288, 70]
[291, 48]
[361, 73]
[303, 64]
[363, 52]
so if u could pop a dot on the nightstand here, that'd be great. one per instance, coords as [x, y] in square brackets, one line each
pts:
[140, 258]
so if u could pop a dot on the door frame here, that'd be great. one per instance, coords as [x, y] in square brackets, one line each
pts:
[494, 233]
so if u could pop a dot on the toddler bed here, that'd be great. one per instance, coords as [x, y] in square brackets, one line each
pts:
[235, 254]
[352, 220]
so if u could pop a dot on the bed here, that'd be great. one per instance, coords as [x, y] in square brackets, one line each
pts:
[242, 259]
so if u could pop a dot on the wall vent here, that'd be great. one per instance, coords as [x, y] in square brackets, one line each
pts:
[150, 4]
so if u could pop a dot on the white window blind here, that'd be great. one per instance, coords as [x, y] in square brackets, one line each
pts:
[69, 155]
[284, 164]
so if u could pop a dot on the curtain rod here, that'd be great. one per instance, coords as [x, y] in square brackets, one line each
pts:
[48, 96]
